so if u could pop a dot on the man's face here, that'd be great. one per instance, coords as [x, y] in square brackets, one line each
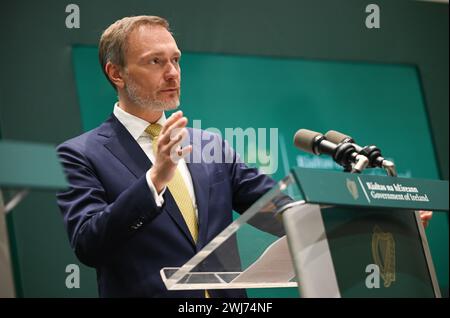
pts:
[152, 70]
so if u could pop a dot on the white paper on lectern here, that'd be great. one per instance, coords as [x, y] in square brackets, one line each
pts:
[273, 266]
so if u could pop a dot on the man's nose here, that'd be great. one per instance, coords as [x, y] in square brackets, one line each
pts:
[172, 71]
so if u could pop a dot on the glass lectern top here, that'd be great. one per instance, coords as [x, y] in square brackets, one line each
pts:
[252, 252]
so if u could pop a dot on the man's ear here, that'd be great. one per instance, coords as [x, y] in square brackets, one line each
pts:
[115, 74]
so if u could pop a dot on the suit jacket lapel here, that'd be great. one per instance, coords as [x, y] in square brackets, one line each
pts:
[200, 180]
[123, 146]
[172, 209]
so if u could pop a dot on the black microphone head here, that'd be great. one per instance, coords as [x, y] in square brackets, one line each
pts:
[305, 140]
[337, 137]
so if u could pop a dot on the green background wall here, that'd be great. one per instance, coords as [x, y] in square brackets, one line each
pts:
[39, 100]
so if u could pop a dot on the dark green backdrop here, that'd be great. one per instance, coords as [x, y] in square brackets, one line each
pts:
[39, 101]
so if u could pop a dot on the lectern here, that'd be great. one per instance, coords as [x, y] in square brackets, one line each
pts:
[331, 234]
[23, 167]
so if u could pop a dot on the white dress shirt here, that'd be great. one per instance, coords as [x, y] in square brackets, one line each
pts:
[136, 127]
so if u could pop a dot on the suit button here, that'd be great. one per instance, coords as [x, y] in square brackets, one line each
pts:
[137, 224]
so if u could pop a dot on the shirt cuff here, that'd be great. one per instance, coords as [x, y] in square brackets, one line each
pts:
[159, 200]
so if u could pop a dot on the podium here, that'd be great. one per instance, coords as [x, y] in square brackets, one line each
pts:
[23, 167]
[330, 234]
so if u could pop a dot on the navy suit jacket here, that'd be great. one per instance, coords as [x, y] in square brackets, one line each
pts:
[114, 224]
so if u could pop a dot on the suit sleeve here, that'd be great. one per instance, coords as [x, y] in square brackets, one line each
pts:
[248, 186]
[248, 183]
[95, 226]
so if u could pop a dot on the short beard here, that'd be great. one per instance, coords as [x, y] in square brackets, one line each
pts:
[146, 102]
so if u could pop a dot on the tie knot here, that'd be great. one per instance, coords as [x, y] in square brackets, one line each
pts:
[153, 130]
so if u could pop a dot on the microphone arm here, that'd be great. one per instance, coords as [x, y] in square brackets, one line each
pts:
[389, 167]
[344, 154]
[360, 164]
[372, 153]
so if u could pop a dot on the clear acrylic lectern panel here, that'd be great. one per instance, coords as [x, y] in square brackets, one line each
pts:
[250, 253]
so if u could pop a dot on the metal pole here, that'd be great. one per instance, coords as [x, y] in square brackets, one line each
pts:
[7, 289]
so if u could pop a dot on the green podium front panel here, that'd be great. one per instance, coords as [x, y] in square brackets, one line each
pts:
[375, 240]
[390, 239]
[330, 187]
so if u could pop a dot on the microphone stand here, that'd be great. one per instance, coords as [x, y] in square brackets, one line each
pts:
[355, 159]
[389, 167]
[346, 154]
[361, 163]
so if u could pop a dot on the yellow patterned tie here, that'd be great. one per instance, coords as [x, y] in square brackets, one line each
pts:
[177, 188]
[179, 191]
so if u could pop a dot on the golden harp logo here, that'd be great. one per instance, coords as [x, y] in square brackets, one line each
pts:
[383, 253]
[353, 189]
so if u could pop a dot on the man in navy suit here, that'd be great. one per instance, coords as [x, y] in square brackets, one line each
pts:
[122, 211]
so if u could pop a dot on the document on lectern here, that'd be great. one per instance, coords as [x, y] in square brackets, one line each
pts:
[273, 266]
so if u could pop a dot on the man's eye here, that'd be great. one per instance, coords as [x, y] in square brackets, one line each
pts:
[176, 60]
[154, 61]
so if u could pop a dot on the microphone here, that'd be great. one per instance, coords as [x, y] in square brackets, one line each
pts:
[313, 142]
[344, 154]
[338, 137]
[372, 152]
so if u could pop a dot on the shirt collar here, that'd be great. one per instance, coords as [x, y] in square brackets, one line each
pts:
[136, 126]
